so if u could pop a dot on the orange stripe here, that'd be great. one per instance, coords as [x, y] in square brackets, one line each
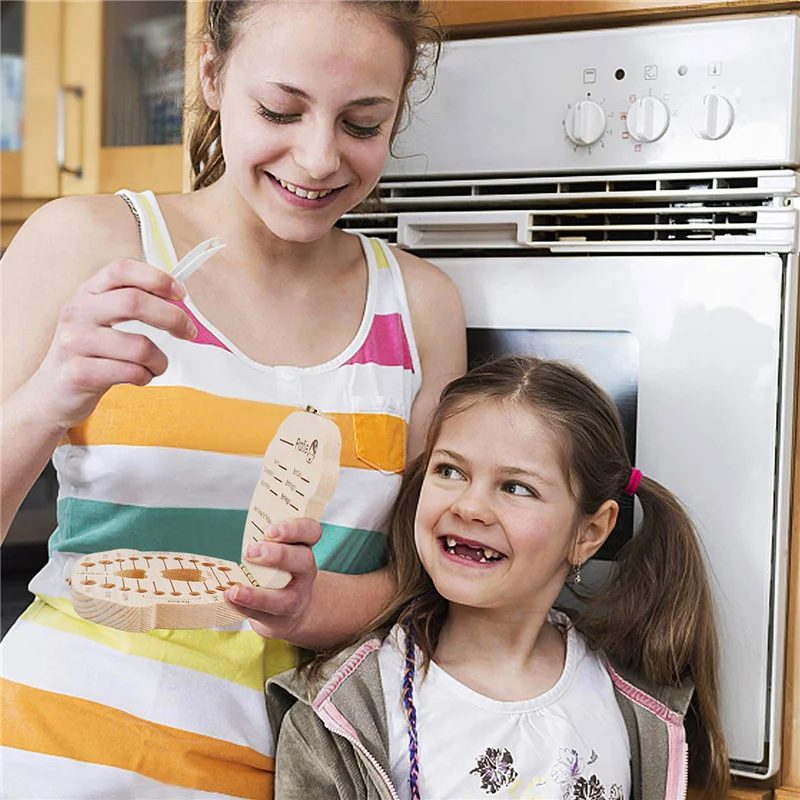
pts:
[58, 725]
[193, 420]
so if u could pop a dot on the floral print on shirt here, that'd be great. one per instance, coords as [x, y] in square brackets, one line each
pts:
[496, 769]
[570, 772]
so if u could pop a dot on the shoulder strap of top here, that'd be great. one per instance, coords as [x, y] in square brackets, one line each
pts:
[392, 296]
[157, 246]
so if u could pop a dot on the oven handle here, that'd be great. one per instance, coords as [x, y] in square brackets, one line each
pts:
[463, 229]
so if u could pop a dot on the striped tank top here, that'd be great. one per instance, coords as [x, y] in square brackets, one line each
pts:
[89, 711]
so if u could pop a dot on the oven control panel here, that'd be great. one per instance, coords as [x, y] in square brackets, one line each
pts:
[711, 93]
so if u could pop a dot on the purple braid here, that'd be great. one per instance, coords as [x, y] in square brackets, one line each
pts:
[411, 714]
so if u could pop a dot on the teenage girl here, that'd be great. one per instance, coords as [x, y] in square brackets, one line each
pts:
[481, 688]
[156, 403]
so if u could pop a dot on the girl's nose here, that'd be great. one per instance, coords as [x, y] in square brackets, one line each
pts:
[473, 504]
[317, 153]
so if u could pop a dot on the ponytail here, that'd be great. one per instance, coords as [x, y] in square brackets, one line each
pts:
[205, 151]
[656, 617]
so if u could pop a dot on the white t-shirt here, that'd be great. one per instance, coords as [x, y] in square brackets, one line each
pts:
[570, 743]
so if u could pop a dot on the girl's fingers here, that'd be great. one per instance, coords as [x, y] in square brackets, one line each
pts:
[296, 559]
[269, 605]
[127, 272]
[277, 612]
[97, 375]
[124, 304]
[114, 345]
[295, 531]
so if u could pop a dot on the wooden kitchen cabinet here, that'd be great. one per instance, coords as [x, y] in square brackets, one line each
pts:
[103, 96]
[115, 111]
[103, 101]
[474, 17]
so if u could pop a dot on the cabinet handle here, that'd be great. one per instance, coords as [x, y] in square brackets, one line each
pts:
[62, 129]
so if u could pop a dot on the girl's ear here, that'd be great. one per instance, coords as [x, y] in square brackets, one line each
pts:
[593, 531]
[209, 79]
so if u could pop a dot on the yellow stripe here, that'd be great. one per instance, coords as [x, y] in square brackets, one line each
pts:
[380, 255]
[241, 657]
[82, 730]
[162, 251]
[193, 420]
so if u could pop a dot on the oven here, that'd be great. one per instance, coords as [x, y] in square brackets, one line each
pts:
[627, 199]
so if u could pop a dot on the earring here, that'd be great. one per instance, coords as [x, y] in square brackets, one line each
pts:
[576, 573]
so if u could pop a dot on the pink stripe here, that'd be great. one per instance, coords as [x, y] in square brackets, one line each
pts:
[645, 700]
[328, 712]
[386, 344]
[677, 767]
[676, 734]
[345, 671]
[204, 336]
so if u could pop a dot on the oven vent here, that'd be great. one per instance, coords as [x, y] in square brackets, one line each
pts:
[724, 211]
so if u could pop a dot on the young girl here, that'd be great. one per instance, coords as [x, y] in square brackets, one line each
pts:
[481, 688]
[157, 402]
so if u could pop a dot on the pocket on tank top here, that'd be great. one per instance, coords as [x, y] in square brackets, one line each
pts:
[379, 433]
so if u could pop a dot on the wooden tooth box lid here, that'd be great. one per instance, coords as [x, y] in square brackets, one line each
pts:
[137, 591]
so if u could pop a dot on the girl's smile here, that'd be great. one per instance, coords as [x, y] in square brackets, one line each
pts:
[469, 552]
[305, 197]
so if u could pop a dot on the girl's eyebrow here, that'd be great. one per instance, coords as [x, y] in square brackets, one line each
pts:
[443, 453]
[515, 472]
[361, 101]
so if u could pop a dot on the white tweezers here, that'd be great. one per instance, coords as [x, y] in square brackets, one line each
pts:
[195, 258]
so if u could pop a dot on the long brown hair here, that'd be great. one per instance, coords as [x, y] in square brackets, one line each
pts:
[412, 21]
[655, 615]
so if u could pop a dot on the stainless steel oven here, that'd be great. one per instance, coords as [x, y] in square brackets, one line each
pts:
[628, 199]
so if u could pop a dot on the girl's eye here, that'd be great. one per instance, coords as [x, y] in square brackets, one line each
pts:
[519, 489]
[362, 131]
[448, 472]
[274, 116]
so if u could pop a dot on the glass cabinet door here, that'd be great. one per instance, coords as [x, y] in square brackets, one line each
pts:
[11, 70]
[121, 95]
[143, 72]
[11, 99]
[103, 94]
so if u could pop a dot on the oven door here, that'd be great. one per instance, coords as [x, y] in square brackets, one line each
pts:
[697, 351]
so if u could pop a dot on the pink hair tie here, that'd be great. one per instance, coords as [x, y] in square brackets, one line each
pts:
[633, 482]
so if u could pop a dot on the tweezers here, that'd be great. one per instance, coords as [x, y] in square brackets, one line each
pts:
[195, 258]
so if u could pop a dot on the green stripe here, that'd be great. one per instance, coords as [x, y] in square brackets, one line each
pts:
[90, 526]
[350, 550]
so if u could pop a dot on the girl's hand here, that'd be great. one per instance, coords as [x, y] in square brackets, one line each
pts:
[88, 356]
[276, 613]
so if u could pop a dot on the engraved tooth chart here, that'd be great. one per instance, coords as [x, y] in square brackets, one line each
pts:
[134, 590]
[298, 478]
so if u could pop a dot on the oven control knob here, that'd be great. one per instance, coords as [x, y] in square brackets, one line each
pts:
[648, 119]
[585, 123]
[713, 119]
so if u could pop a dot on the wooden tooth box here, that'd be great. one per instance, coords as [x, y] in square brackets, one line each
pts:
[137, 591]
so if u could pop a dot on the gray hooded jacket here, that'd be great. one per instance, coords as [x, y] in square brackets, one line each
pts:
[332, 738]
